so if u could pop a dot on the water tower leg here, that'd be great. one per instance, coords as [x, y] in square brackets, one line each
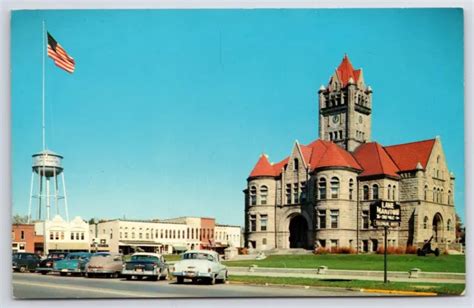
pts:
[48, 198]
[55, 176]
[31, 196]
[65, 197]
[40, 195]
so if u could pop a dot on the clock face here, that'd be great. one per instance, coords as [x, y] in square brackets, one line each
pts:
[335, 119]
[360, 119]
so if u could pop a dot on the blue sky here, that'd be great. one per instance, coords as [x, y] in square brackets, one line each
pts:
[169, 110]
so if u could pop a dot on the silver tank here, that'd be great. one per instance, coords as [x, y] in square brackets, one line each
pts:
[47, 163]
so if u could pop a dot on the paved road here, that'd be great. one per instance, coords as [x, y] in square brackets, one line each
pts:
[35, 286]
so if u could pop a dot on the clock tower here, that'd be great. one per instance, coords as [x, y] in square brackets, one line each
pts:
[345, 108]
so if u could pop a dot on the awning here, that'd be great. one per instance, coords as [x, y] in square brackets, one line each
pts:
[139, 244]
[180, 248]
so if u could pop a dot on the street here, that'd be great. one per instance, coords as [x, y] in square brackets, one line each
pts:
[35, 286]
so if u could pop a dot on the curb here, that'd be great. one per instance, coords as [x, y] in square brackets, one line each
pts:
[295, 286]
[394, 292]
[399, 292]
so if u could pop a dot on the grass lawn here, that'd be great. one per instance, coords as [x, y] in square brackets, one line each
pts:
[442, 289]
[369, 262]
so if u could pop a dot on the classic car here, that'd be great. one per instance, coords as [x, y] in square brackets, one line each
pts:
[106, 264]
[24, 261]
[200, 265]
[146, 265]
[46, 265]
[74, 263]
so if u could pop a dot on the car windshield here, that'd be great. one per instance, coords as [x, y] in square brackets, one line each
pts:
[76, 257]
[144, 258]
[197, 256]
[101, 255]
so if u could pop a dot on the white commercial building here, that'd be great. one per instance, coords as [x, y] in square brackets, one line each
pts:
[163, 236]
[61, 235]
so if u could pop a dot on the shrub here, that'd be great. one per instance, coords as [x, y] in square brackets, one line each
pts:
[397, 250]
[411, 250]
[343, 250]
[321, 251]
[243, 251]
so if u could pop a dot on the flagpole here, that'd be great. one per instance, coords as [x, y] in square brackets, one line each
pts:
[43, 87]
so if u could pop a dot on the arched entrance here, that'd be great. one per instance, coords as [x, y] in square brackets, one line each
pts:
[437, 227]
[298, 232]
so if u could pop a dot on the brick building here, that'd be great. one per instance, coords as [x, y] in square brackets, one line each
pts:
[26, 239]
[320, 194]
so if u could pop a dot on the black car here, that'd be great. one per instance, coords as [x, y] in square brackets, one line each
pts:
[24, 261]
[46, 265]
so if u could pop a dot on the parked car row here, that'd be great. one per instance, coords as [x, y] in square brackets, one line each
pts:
[195, 265]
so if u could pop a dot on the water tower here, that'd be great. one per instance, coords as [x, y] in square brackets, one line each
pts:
[46, 169]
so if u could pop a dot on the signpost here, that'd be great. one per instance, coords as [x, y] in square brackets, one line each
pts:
[385, 214]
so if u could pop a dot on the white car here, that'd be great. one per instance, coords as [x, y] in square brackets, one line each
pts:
[200, 265]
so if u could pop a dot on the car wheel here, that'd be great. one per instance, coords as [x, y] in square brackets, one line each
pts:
[63, 274]
[22, 269]
[212, 281]
[224, 279]
[43, 272]
[128, 277]
[180, 279]
[436, 252]
[115, 275]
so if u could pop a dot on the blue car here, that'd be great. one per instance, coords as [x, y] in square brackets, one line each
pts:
[74, 263]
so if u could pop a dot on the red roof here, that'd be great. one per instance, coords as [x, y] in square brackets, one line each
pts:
[331, 155]
[374, 160]
[371, 158]
[345, 71]
[263, 168]
[407, 155]
[317, 154]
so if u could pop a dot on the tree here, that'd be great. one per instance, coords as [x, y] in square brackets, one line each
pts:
[19, 219]
[460, 230]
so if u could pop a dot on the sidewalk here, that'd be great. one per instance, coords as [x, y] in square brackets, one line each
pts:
[428, 277]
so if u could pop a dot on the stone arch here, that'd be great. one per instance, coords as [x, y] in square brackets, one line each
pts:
[284, 227]
[298, 231]
[437, 227]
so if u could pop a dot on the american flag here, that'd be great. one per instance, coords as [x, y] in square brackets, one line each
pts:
[59, 55]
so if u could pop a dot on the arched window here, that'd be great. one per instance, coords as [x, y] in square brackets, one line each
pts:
[366, 192]
[296, 164]
[375, 191]
[425, 223]
[448, 226]
[389, 191]
[322, 186]
[441, 194]
[434, 194]
[253, 195]
[449, 197]
[426, 192]
[334, 188]
[263, 194]
[351, 188]
[393, 192]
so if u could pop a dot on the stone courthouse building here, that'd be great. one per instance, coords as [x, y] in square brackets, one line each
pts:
[320, 194]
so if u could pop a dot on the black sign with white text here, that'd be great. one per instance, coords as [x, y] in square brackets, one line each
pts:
[384, 213]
